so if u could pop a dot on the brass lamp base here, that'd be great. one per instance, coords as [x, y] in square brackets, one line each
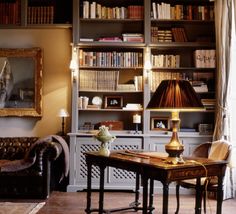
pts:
[174, 156]
[174, 148]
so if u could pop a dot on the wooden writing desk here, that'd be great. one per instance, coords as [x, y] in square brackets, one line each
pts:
[153, 167]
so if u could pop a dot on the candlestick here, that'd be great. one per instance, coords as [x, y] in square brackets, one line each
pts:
[137, 118]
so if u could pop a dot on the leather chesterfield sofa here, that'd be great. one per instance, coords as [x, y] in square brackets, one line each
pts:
[26, 166]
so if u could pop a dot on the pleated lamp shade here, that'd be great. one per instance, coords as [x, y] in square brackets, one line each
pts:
[175, 95]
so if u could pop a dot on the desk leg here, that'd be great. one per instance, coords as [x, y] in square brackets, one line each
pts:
[145, 194]
[151, 195]
[198, 199]
[101, 189]
[89, 185]
[219, 194]
[165, 198]
[137, 190]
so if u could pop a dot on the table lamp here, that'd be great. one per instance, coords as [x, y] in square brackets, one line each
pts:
[175, 96]
[63, 113]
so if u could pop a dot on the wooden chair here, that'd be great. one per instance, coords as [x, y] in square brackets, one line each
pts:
[217, 150]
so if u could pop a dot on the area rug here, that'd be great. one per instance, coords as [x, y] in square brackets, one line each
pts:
[20, 207]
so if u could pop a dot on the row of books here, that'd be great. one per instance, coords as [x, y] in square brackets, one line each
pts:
[40, 15]
[179, 34]
[205, 58]
[95, 10]
[157, 77]
[168, 35]
[198, 84]
[182, 12]
[110, 59]
[97, 80]
[167, 61]
[10, 12]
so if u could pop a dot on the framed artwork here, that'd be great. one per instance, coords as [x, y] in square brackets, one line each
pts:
[160, 123]
[113, 102]
[21, 82]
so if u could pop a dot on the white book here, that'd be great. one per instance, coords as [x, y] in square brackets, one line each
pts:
[154, 10]
[85, 9]
[93, 10]
[159, 11]
[98, 11]
[123, 13]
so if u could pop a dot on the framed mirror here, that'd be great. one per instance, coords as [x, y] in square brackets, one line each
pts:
[21, 82]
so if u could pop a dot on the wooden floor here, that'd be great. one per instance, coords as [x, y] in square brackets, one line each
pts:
[75, 203]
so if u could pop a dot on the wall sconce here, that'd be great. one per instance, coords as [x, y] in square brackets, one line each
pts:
[73, 68]
[63, 113]
[74, 65]
[147, 64]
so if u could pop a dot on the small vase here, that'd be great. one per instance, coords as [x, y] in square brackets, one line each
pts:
[105, 138]
[104, 149]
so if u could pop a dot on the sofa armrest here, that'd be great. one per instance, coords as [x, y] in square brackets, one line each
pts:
[50, 150]
[35, 159]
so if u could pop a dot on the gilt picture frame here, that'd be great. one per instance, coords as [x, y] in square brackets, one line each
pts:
[21, 82]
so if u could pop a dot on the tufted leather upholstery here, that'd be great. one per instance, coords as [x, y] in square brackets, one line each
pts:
[32, 181]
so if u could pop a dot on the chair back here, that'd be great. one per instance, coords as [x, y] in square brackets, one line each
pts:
[219, 150]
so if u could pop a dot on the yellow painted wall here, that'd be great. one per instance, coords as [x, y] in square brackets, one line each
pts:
[56, 80]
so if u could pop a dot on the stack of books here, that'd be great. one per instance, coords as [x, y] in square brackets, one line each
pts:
[133, 37]
[133, 106]
[164, 35]
[200, 86]
[154, 34]
[110, 39]
[209, 104]
[125, 87]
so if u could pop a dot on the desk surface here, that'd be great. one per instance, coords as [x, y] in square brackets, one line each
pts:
[138, 160]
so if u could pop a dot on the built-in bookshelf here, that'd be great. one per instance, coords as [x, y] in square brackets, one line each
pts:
[124, 49]
[28, 13]
[182, 46]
